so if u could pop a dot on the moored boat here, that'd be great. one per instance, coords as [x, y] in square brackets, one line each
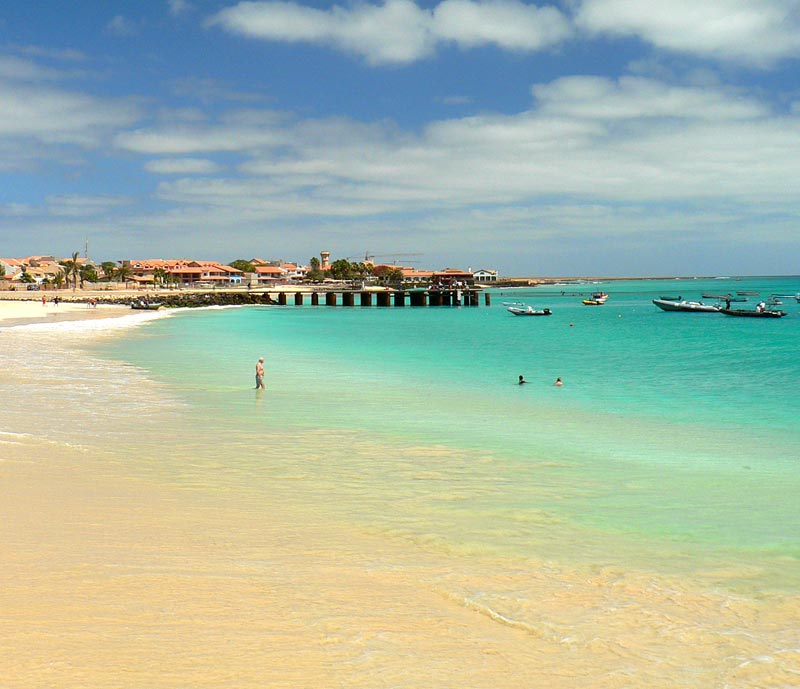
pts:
[686, 306]
[528, 311]
[144, 305]
[757, 313]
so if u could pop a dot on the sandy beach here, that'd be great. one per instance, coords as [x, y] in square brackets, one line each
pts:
[134, 557]
[22, 310]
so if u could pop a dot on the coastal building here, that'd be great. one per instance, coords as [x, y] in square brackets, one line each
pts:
[190, 273]
[452, 277]
[484, 275]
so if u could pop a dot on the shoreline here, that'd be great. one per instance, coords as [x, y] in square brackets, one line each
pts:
[120, 574]
[23, 312]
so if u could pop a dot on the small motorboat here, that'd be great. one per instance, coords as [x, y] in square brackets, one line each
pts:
[597, 299]
[528, 311]
[686, 306]
[757, 313]
[145, 305]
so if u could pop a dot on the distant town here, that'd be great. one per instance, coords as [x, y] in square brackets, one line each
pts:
[79, 272]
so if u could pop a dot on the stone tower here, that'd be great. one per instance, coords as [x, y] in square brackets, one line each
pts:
[326, 260]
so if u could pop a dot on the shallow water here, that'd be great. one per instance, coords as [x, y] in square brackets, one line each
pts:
[638, 526]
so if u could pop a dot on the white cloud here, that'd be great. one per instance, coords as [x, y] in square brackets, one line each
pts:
[122, 26]
[634, 140]
[756, 33]
[399, 31]
[74, 205]
[243, 131]
[18, 69]
[638, 97]
[508, 24]
[57, 116]
[182, 166]
[178, 7]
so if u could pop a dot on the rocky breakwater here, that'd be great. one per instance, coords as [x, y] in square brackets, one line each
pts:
[188, 299]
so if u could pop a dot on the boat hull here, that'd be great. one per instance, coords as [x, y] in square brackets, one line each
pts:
[529, 311]
[685, 306]
[743, 313]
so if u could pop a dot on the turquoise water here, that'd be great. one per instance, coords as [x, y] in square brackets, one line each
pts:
[673, 444]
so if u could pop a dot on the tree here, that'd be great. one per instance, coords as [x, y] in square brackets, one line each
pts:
[2, 271]
[108, 269]
[88, 273]
[315, 274]
[243, 265]
[342, 269]
[58, 279]
[123, 273]
[160, 276]
[389, 275]
[26, 276]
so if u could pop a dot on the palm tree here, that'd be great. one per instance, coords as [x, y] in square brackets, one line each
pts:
[108, 269]
[123, 273]
[88, 273]
[160, 276]
[75, 268]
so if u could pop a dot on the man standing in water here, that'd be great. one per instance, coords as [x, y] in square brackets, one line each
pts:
[260, 374]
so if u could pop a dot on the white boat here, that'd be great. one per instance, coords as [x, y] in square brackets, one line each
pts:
[597, 299]
[686, 306]
[528, 311]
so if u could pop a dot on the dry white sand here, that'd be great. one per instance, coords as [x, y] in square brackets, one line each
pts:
[20, 311]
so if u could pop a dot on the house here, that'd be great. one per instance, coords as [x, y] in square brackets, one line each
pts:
[452, 277]
[266, 274]
[192, 273]
[485, 275]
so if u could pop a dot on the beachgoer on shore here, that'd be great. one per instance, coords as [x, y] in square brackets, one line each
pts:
[44, 300]
[260, 374]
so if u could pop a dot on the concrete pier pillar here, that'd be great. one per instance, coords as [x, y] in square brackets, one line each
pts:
[435, 298]
[487, 299]
[417, 298]
[383, 298]
[330, 299]
[348, 298]
[315, 299]
[366, 299]
[399, 298]
[282, 298]
[298, 298]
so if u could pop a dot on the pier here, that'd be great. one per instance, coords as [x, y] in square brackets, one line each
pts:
[394, 298]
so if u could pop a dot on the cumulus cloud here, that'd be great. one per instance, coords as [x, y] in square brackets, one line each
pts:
[182, 166]
[242, 131]
[756, 33]
[399, 31]
[57, 116]
[506, 23]
[632, 140]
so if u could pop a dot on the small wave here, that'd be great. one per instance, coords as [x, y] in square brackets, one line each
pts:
[93, 325]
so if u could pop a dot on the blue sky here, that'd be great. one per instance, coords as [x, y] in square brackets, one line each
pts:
[582, 137]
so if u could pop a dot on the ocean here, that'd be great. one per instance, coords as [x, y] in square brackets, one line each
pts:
[639, 525]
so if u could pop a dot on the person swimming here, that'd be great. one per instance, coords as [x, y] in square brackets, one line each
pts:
[558, 383]
[522, 381]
